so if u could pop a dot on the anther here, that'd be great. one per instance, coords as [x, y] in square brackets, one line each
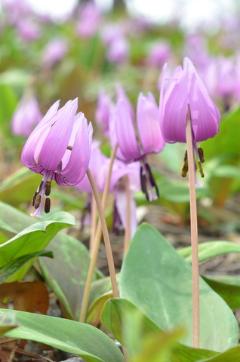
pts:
[201, 155]
[185, 169]
[200, 169]
[48, 188]
[40, 186]
[47, 205]
[152, 179]
[143, 181]
[37, 201]
[34, 198]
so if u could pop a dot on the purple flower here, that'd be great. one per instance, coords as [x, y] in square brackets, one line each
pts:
[54, 51]
[149, 132]
[158, 54]
[28, 30]
[136, 144]
[118, 50]
[89, 21]
[59, 149]
[99, 166]
[103, 111]
[185, 89]
[26, 116]
[15, 10]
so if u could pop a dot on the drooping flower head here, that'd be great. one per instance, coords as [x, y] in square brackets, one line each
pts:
[99, 167]
[181, 93]
[137, 136]
[26, 116]
[59, 149]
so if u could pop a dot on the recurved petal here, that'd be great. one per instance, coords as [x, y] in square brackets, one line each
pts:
[57, 140]
[204, 114]
[173, 110]
[78, 162]
[148, 119]
[125, 132]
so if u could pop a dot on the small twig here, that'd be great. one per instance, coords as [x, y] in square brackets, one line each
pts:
[194, 234]
[128, 231]
[93, 223]
[96, 243]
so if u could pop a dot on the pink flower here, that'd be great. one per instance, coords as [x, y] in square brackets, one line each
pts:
[89, 21]
[186, 89]
[28, 30]
[26, 116]
[158, 54]
[54, 51]
[59, 148]
[103, 111]
[149, 132]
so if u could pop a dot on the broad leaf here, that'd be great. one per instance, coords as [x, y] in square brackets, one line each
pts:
[69, 336]
[131, 327]
[228, 287]
[210, 250]
[67, 282]
[33, 239]
[19, 187]
[158, 280]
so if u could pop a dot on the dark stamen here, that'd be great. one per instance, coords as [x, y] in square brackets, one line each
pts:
[152, 179]
[201, 155]
[37, 201]
[40, 186]
[143, 181]
[47, 205]
[200, 169]
[34, 198]
[48, 188]
[185, 168]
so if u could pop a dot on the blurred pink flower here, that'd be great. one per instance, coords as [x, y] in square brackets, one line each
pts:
[159, 54]
[54, 51]
[26, 116]
[89, 21]
[103, 111]
[118, 51]
[28, 30]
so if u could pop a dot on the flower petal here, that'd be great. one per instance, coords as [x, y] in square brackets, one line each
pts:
[148, 118]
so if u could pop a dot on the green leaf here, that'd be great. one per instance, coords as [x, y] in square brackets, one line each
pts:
[232, 355]
[210, 250]
[13, 266]
[226, 139]
[13, 220]
[68, 282]
[34, 238]
[69, 336]
[228, 287]
[19, 187]
[8, 102]
[158, 280]
[131, 327]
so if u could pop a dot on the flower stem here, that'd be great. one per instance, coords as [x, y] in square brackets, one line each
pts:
[128, 232]
[96, 242]
[93, 223]
[194, 234]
